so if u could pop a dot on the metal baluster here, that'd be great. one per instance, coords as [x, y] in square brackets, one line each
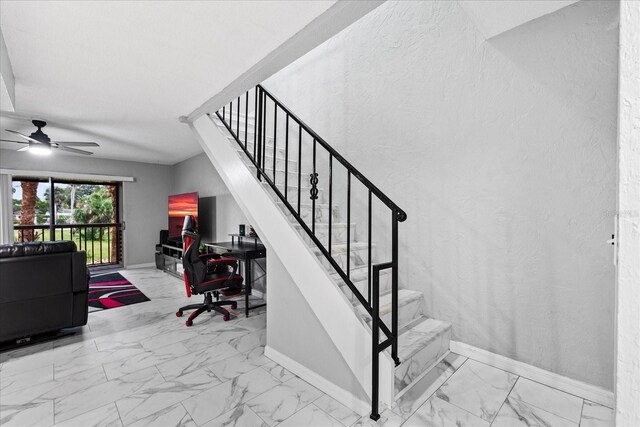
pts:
[349, 224]
[286, 158]
[369, 257]
[231, 117]
[101, 245]
[246, 117]
[109, 254]
[264, 135]
[299, 163]
[238, 121]
[275, 134]
[257, 145]
[93, 258]
[330, 199]
[255, 123]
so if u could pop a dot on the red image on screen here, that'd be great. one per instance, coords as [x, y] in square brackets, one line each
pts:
[181, 205]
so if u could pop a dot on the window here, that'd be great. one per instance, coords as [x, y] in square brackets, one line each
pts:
[85, 212]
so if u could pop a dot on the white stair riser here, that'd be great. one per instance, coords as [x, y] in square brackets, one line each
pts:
[406, 313]
[338, 235]
[322, 213]
[293, 164]
[363, 286]
[280, 147]
[305, 195]
[425, 358]
[358, 258]
[292, 173]
[292, 176]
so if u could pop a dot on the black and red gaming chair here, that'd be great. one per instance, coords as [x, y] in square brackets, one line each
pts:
[206, 274]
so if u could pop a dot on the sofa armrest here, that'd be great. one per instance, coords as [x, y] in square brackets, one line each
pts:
[79, 271]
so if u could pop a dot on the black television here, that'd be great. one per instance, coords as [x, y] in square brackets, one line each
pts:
[181, 205]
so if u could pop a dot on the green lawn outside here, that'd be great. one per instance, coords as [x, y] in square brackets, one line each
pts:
[92, 246]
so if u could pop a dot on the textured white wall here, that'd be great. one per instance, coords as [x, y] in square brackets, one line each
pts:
[503, 155]
[628, 239]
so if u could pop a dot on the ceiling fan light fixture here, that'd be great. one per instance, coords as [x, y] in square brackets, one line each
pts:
[39, 149]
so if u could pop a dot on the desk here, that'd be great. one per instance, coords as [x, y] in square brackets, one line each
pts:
[246, 252]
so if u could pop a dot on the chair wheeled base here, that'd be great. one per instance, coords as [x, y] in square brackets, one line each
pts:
[207, 306]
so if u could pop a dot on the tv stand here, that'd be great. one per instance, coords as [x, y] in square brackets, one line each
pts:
[169, 259]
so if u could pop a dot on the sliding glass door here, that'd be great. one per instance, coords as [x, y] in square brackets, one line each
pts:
[86, 212]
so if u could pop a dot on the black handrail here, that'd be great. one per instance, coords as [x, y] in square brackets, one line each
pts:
[257, 156]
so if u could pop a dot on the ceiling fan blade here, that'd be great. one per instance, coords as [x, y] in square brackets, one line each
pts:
[23, 149]
[79, 144]
[28, 138]
[17, 142]
[73, 150]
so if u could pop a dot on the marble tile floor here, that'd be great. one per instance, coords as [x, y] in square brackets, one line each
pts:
[140, 366]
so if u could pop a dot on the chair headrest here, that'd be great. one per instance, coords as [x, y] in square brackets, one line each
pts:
[189, 224]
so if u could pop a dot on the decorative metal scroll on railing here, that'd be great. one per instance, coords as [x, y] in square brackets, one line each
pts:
[259, 141]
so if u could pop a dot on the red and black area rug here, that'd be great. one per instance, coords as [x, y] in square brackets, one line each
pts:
[111, 290]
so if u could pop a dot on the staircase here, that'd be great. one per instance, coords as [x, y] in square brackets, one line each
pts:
[348, 225]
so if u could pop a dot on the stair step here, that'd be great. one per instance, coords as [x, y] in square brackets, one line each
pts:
[249, 121]
[292, 192]
[338, 234]
[293, 164]
[359, 252]
[280, 148]
[360, 280]
[322, 212]
[405, 296]
[419, 349]
[292, 175]
[409, 307]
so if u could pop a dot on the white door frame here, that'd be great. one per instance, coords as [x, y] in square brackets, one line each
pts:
[627, 364]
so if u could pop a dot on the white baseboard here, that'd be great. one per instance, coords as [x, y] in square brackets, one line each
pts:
[590, 392]
[338, 393]
[136, 266]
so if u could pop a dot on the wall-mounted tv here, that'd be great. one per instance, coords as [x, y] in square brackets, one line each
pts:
[181, 205]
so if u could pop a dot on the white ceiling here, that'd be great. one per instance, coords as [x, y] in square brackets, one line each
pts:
[121, 73]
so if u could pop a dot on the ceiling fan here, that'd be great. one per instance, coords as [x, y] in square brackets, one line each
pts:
[40, 143]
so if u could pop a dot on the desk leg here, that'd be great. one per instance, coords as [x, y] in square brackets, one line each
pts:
[247, 286]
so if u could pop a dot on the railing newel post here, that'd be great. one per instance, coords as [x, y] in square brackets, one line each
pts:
[259, 134]
[375, 340]
[394, 287]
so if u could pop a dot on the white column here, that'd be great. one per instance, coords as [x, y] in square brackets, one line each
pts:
[6, 209]
[627, 385]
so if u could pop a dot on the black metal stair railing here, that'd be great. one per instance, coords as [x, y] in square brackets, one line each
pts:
[254, 144]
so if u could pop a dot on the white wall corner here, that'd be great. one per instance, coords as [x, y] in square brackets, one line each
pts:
[7, 79]
[494, 17]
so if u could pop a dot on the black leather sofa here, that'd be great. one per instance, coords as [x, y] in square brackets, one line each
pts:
[43, 288]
